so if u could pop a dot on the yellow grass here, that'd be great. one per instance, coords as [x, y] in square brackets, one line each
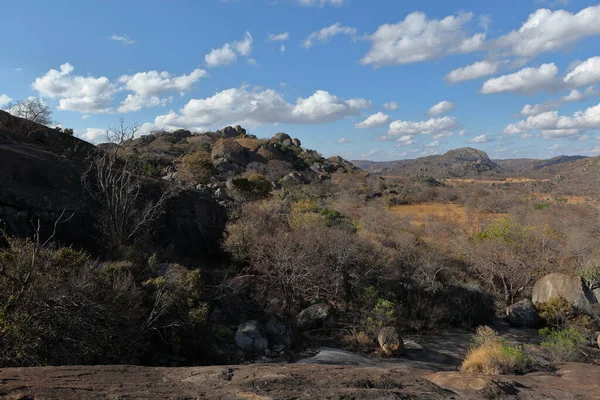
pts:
[491, 181]
[493, 355]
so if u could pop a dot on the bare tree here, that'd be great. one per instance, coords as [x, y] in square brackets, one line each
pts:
[32, 109]
[114, 178]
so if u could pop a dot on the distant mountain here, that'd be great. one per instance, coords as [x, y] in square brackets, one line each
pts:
[469, 162]
[464, 162]
[525, 165]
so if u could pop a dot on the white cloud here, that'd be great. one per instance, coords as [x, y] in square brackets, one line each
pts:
[476, 70]
[4, 100]
[418, 38]
[574, 95]
[547, 30]
[526, 80]
[443, 135]
[124, 39]
[441, 108]
[282, 48]
[280, 37]
[342, 141]
[229, 52]
[374, 120]
[433, 144]
[405, 140]
[94, 135]
[320, 3]
[370, 153]
[135, 102]
[154, 83]
[392, 105]
[584, 74]
[254, 108]
[431, 126]
[480, 139]
[76, 93]
[325, 34]
[551, 125]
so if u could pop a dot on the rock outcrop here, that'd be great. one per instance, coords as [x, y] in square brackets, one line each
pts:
[314, 316]
[571, 288]
[390, 342]
[522, 314]
[251, 337]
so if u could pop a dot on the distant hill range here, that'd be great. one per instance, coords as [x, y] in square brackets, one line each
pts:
[468, 162]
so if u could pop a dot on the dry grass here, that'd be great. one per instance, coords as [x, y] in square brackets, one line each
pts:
[498, 181]
[426, 213]
[492, 355]
[358, 342]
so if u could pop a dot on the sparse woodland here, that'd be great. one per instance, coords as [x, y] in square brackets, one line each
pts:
[420, 254]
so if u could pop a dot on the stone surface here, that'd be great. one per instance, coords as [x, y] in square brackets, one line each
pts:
[251, 338]
[314, 316]
[571, 288]
[522, 314]
[389, 341]
[281, 136]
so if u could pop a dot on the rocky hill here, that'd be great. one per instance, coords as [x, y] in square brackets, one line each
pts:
[40, 178]
[524, 166]
[213, 162]
[464, 162]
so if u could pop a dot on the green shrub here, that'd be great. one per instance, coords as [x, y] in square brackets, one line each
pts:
[556, 312]
[562, 345]
[540, 206]
[255, 187]
[198, 167]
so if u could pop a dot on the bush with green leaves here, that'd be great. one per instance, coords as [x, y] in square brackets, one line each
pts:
[562, 345]
[254, 187]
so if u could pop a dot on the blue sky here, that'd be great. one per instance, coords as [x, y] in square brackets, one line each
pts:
[374, 79]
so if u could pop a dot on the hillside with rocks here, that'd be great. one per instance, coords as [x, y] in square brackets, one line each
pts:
[459, 163]
[258, 268]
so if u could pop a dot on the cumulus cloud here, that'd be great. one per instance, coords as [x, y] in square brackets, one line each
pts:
[473, 71]
[325, 34]
[342, 141]
[254, 108]
[154, 83]
[551, 125]
[320, 3]
[441, 108]
[584, 74]
[135, 102]
[405, 140]
[572, 96]
[527, 80]
[392, 105]
[4, 100]
[418, 38]
[124, 39]
[431, 126]
[94, 135]
[280, 37]
[87, 95]
[480, 139]
[229, 52]
[374, 120]
[546, 30]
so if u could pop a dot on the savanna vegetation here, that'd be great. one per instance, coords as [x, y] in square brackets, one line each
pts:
[416, 253]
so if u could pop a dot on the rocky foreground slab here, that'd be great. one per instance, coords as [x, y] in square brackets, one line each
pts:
[292, 381]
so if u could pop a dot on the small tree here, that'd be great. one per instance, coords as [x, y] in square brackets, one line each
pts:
[114, 178]
[32, 109]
